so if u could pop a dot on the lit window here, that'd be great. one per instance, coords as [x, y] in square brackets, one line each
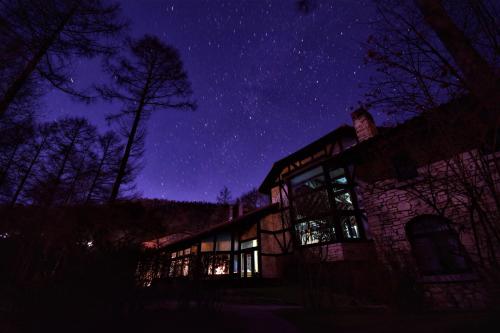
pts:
[207, 245]
[316, 206]
[235, 263]
[336, 173]
[315, 231]
[311, 204]
[256, 260]
[207, 263]
[185, 267]
[221, 265]
[249, 244]
[223, 242]
[309, 179]
[349, 227]
[343, 201]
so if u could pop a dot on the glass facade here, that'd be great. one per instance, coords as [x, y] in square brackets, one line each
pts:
[221, 254]
[323, 206]
[179, 263]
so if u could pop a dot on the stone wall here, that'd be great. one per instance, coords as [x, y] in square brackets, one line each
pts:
[390, 204]
[355, 251]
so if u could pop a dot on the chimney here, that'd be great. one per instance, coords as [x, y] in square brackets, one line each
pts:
[363, 124]
[240, 208]
[237, 209]
[230, 212]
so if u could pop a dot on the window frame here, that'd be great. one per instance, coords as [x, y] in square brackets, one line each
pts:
[185, 259]
[432, 235]
[333, 212]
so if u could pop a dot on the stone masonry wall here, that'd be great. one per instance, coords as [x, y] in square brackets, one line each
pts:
[391, 204]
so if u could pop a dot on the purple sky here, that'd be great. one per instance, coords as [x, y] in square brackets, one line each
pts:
[267, 80]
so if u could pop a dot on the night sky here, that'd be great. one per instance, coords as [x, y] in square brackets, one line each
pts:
[267, 79]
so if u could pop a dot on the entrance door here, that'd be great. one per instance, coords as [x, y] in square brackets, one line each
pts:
[248, 263]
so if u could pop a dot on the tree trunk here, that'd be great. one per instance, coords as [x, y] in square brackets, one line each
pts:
[479, 75]
[71, 190]
[27, 174]
[97, 174]
[4, 172]
[126, 155]
[16, 86]
[61, 170]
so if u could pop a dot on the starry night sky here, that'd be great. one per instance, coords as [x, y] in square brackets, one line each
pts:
[267, 79]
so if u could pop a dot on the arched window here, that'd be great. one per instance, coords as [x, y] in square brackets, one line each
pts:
[435, 246]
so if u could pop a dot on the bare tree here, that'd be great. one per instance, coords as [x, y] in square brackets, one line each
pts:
[253, 199]
[105, 170]
[68, 147]
[14, 137]
[41, 38]
[152, 77]
[424, 60]
[224, 197]
[450, 169]
[480, 78]
[428, 53]
[32, 157]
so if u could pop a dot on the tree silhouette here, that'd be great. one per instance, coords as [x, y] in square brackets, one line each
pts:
[253, 199]
[152, 77]
[479, 76]
[14, 137]
[64, 161]
[424, 59]
[40, 37]
[224, 196]
[33, 154]
[103, 173]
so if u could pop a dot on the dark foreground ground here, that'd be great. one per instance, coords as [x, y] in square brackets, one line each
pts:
[260, 309]
[379, 323]
[256, 319]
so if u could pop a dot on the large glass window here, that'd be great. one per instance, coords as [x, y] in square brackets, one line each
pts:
[249, 258]
[309, 193]
[324, 207]
[221, 264]
[213, 256]
[235, 263]
[308, 181]
[223, 242]
[436, 247]
[349, 227]
[311, 203]
[315, 231]
[207, 245]
[215, 260]
[248, 244]
[179, 263]
[207, 263]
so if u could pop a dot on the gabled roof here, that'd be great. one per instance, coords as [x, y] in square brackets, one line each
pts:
[342, 131]
[164, 243]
